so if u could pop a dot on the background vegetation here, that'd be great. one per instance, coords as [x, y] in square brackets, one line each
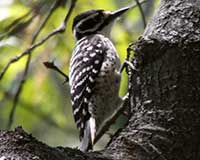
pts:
[44, 107]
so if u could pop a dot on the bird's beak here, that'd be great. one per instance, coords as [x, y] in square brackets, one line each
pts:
[119, 12]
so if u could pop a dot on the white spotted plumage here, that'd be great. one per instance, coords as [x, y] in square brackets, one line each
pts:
[94, 76]
[95, 69]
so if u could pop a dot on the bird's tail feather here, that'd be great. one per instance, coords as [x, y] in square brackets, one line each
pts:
[88, 136]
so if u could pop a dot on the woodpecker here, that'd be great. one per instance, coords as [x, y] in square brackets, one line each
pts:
[94, 76]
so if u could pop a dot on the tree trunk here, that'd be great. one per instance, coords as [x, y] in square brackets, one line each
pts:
[164, 97]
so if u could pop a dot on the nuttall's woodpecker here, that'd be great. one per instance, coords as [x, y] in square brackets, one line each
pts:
[94, 76]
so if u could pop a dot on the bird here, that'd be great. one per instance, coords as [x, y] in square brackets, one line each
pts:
[94, 76]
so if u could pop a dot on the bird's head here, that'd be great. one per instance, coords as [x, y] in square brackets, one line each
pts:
[95, 22]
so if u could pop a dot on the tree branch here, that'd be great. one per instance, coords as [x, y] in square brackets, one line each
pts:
[51, 65]
[60, 29]
[111, 120]
[22, 145]
[141, 12]
[29, 50]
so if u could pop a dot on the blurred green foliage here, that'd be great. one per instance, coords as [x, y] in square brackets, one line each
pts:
[44, 108]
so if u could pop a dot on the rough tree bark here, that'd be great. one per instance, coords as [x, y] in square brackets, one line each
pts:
[164, 97]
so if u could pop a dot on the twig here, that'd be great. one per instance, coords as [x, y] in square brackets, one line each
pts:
[51, 65]
[60, 29]
[9, 29]
[28, 52]
[135, 4]
[138, 3]
[106, 125]
[141, 12]
[20, 87]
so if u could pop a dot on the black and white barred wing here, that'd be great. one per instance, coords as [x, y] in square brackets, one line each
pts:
[85, 66]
